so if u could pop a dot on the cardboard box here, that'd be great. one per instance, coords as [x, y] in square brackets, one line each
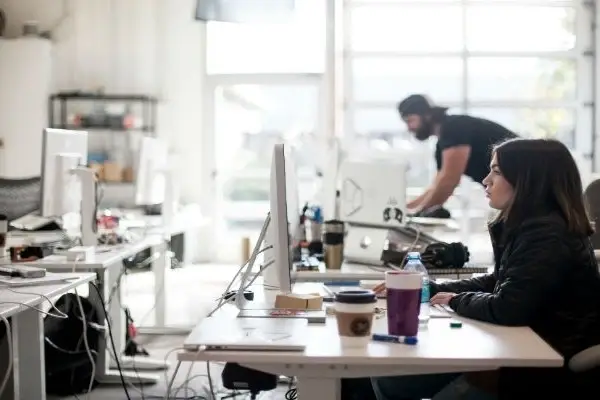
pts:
[113, 172]
[289, 301]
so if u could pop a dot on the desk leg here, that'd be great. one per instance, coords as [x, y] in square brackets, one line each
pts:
[160, 265]
[29, 360]
[104, 373]
[319, 388]
[119, 326]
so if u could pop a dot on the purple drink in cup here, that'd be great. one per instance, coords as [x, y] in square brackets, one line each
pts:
[403, 302]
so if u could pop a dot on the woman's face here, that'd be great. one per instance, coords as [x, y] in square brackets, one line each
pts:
[497, 189]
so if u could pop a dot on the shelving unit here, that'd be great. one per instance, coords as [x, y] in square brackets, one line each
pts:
[115, 124]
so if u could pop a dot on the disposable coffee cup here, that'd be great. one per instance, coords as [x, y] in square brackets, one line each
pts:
[403, 299]
[354, 311]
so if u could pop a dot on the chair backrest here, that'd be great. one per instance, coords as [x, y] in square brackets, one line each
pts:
[19, 197]
[585, 360]
[592, 199]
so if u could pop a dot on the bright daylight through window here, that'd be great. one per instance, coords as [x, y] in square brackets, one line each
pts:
[481, 57]
[465, 55]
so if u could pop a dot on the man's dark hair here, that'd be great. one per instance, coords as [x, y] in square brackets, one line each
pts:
[420, 104]
[545, 179]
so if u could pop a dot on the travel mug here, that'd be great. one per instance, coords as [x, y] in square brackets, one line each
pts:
[333, 244]
[403, 302]
[354, 311]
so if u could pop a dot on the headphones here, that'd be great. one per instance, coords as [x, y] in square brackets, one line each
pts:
[436, 255]
[446, 255]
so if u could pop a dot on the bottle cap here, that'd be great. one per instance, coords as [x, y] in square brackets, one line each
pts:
[455, 324]
[414, 255]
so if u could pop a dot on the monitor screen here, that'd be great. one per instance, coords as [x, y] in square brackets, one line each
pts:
[244, 11]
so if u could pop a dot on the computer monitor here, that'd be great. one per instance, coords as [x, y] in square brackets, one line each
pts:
[285, 214]
[151, 178]
[62, 152]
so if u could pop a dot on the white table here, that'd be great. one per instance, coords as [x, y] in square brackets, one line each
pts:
[474, 347]
[29, 374]
[108, 264]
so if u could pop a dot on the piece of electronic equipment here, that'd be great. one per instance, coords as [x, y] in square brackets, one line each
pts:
[34, 222]
[22, 271]
[312, 316]
[226, 333]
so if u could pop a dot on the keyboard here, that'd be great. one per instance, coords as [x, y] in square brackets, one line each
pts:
[440, 311]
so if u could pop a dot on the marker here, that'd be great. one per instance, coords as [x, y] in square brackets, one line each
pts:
[379, 337]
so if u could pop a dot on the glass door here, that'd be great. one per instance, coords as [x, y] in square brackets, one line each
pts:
[249, 118]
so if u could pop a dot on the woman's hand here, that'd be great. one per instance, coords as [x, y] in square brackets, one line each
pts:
[442, 298]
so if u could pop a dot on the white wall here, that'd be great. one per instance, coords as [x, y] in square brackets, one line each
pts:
[130, 46]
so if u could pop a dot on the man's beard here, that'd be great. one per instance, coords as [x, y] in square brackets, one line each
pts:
[425, 131]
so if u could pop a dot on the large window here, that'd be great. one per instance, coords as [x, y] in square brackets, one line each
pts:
[294, 45]
[516, 64]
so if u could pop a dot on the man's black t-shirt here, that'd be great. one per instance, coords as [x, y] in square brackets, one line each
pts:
[478, 133]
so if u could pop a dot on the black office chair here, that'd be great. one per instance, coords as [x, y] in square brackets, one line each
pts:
[19, 197]
[592, 199]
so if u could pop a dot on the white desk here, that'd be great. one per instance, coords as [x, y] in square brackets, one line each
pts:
[474, 347]
[29, 374]
[108, 264]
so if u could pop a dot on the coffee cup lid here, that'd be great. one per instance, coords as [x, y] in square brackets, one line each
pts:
[356, 297]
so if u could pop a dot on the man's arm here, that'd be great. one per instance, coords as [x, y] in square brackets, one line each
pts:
[417, 202]
[454, 163]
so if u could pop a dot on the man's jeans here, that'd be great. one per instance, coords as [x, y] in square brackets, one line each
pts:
[434, 386]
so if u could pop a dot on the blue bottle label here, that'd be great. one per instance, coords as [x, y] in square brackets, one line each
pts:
[425, 293]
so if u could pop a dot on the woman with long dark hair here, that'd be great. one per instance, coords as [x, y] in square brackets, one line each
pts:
[545, 276]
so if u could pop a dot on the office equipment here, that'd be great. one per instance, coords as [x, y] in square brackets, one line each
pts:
[22, 271]
[151, 172]
[312, 316]
[373, 192]
[81, 254]
[281, 222]
[68, 186]
[380, 337]
[34, 222]
[249, 334]
[62, 152]
[373, 201]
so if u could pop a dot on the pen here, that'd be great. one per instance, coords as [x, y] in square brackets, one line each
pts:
[379, 337]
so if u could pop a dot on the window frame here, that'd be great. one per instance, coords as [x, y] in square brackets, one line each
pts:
[583, 55]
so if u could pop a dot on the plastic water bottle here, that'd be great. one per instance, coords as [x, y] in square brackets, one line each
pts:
[414, 264]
